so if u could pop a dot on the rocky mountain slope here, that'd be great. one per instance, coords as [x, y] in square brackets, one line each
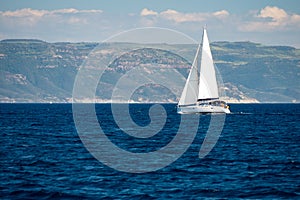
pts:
[37, 71]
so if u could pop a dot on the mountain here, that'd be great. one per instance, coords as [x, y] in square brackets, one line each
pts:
[38, 71]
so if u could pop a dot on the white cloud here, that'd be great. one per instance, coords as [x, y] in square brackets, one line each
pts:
[74, 11]
[33, 16]
[295, 19]
[270, 19]
[30, 17]
[179, 17]
[275, 13]
[221, 14]
[28, 12]
[146, 12]
[278, 16]
[60, 24]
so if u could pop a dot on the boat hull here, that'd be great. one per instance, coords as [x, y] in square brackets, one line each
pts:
[194, 109]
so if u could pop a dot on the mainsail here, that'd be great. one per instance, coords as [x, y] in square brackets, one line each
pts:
[208, 88]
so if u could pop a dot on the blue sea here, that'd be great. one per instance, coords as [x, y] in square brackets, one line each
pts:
[256, 156]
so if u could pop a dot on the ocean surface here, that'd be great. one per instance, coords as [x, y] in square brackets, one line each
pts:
[257, 155]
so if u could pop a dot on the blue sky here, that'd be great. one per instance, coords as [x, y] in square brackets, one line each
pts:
[268, 22]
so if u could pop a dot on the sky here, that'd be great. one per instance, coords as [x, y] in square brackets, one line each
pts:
[275, 22]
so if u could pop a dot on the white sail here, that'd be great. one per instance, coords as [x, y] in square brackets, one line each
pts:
[190, 91]
[208, 88]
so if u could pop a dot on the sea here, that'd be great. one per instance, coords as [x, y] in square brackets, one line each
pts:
[256, 156]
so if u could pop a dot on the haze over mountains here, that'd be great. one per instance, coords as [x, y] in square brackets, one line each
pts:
[37, 71]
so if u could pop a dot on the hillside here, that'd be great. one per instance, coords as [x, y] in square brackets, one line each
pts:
[37, 71]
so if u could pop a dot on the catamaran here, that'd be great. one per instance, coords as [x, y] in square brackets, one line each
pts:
[200, 93]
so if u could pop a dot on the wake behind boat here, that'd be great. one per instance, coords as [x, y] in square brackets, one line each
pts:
[200, 93]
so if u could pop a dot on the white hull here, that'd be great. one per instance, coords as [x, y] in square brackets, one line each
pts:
[193, 109]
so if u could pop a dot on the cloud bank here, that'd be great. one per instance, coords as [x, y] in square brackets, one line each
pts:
[71, 24]
[179, 17]
[272, 19]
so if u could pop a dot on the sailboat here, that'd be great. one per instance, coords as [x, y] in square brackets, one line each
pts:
[200, 93]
